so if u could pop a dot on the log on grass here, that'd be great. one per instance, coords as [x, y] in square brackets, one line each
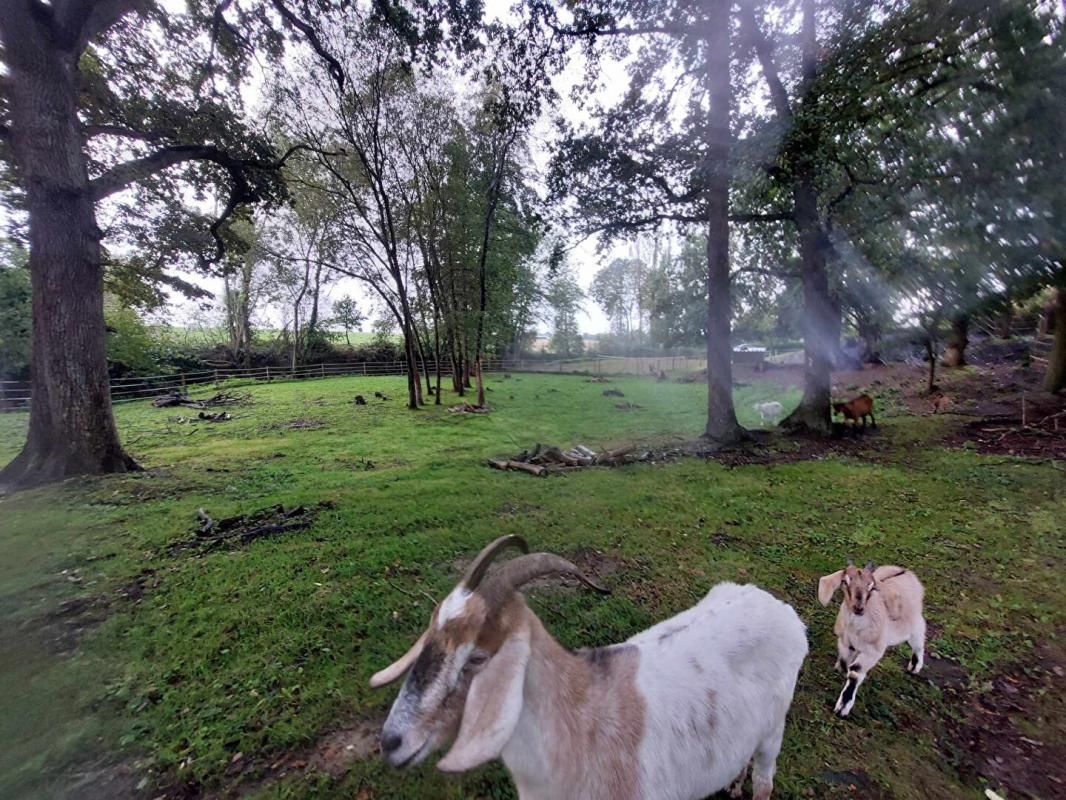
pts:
[532, 469]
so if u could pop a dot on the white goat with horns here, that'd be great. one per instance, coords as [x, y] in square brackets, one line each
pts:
[675, 713]
[882, 607]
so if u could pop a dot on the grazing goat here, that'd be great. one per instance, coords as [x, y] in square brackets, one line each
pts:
[675, 713]
[769, 411]
[940, 403]
[857, 408]
[882, 607]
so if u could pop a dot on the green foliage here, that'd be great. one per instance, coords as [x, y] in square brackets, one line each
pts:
[347, 315]
[620, 290]
[131, 347]
[16, 320]
[563, 298]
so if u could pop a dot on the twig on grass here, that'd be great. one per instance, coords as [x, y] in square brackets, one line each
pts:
[423, 592]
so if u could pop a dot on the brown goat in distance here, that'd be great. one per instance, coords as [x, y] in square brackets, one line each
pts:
[857, 408]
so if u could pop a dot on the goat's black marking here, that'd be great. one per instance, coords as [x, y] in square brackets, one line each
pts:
[670, 632]
[855, 668]
[914, 660]
[426, 666]
[601, 658]
[849, 692]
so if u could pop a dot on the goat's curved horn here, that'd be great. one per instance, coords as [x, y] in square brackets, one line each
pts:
[517, 572]
[476, 571]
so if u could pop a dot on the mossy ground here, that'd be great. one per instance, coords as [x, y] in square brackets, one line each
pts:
[199, 670]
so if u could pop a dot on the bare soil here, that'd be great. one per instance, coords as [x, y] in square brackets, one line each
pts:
[988, 741]
[332, 754]
[999, 406]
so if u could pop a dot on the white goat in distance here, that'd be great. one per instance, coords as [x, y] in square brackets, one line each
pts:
[770, 410]
[882, 607]
[675, 713]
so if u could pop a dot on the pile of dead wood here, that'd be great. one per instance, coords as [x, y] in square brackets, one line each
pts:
[244, 528]
[544, 459]
[469, 408]
[176, 398]
[203, 416]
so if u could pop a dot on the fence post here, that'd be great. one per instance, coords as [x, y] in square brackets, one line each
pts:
[216, 376]
[364, 369]
[323, 366]
[268, 372]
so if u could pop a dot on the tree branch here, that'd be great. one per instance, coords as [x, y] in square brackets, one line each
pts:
[764, 50]
[334, 67]
[780, 216]
[124, 175]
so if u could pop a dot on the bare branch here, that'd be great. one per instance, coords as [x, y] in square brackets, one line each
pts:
[765, 51]
[334, 67]
[781, 216]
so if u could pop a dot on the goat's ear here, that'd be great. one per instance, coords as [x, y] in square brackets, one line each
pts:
[493, 706]
[828, 585]
[398, 668]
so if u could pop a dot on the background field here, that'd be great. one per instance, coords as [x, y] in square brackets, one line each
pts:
[243, 670]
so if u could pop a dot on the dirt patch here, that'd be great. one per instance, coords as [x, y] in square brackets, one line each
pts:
[101, 782]
[854, 783]
[1044, 437]
[63, 628]
[989, 741]
[332, 754]
[791, 449]
[945, 674]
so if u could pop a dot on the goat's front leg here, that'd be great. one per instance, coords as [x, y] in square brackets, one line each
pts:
[844, 652]
[857, 671]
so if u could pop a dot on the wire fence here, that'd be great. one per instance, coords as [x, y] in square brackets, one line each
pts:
[15, 395]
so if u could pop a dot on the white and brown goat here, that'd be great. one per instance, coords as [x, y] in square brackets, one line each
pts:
[675, 713]
[882, 607]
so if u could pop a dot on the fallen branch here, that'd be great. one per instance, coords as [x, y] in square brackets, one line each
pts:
[468, 408]
[532, 469]
[176, 398]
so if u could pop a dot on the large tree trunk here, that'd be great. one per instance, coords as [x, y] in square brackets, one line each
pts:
[821, 316]
[1055, 378]
[930, 354]
[722, 426]
[821, 321]
[436, 356]
[72, 430]
[955, 352]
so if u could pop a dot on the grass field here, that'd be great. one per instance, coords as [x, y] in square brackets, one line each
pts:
[132, 666]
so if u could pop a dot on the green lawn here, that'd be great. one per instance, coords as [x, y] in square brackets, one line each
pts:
[211, 666]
